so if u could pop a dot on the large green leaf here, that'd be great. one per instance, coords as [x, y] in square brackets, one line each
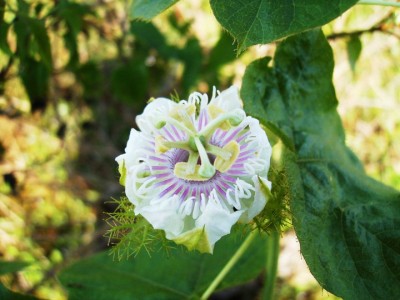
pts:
[348, 224]
[263, 21]
[146, 9]
[182, 275]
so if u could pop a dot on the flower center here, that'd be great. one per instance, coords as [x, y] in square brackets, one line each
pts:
[198, 142]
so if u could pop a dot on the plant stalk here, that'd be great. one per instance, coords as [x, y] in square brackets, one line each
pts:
[229, 265]
[271, 265]
[379, 2]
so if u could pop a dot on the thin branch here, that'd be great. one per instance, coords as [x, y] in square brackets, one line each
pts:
[379, 27]
[339, 35]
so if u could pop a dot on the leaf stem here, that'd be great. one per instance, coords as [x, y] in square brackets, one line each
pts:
[229, 265]
[379, 2]
[272, 246]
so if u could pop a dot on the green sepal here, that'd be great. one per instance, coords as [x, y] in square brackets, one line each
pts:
[122, 172]
[195, 239]
[265, 190]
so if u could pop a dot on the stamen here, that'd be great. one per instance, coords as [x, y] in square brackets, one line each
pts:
[160, 124]
[206, 170]
[234, 117]
[192, 143]
[163, 145]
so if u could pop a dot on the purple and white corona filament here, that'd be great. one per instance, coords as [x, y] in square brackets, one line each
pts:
[195, 167]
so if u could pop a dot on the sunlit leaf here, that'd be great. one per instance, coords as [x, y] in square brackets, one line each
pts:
[146, 10]
[348, 224]
[4, 47]
[263, 21]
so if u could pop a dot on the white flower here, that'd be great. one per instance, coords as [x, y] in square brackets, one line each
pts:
[196, 167]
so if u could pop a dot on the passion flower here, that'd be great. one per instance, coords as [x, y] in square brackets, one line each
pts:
[195, 167]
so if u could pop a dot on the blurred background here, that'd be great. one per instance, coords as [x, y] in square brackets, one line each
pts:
[73, 76]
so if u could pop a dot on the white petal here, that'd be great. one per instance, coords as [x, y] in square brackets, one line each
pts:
[135, 149]
[151, 114]
[163, 215]
[228, 100]
[261, 142]
[216, 221]
[129, 190]
[120, 159]
[259, 201]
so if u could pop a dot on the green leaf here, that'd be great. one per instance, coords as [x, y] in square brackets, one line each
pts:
[263, 21]
[354, 48]
[30, 30]
[41, 38]
[90, 76]
[23, 38]
[181, 275]
[6, 294]
[129, 82]
[73, 15]
[35, 77]
[4, 27]
[11, 266]
[223, 52]
[146, 10]
[150, 37]
[191, 55]
[348, 224]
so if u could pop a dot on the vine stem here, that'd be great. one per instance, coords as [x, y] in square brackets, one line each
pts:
[379, 2]
[271, 264]
[229, 265]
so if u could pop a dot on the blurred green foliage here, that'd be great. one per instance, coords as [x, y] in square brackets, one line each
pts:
[41, 41]
[73, 74]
